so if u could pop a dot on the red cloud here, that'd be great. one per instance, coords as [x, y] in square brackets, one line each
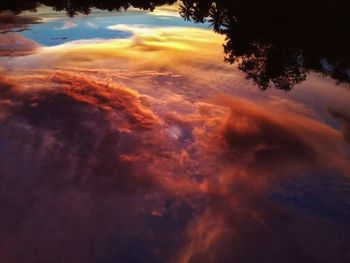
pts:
[89, 167]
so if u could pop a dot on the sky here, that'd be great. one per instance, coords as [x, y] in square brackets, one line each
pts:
[126, 138]
[59, 29]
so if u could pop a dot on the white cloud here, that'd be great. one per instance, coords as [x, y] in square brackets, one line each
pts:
[67, 25]
[91, 25]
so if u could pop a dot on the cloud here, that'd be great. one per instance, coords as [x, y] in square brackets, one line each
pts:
[15, 23]
[67, 25]
[254, 150]
[91, 25]
[13, 44]
[283, 136]
[165, 13]
[94, 163]
[136, 160]
[344, 120]
[88, 157]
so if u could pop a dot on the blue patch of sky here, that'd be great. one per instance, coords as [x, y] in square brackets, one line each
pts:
[95, 26]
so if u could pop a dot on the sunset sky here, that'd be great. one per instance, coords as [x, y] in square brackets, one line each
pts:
[126, 138]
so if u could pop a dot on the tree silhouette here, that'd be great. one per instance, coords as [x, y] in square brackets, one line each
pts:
[277, 42]
[74, 7]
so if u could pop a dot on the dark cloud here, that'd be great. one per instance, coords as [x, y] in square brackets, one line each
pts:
[234, 230]
[11, 23]
[67, 192]
[240, 222]
[278, 142]
[344, 120]
[269, 140]
[88, 173]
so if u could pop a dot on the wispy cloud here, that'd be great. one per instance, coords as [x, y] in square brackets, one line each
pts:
[67, 25]
[91, 25]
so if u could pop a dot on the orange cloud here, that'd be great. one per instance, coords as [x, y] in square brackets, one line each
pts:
[256, 149]
[13, 44]
[63, 143]
[137, 154]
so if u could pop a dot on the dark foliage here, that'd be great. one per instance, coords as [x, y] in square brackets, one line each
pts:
[277, 42]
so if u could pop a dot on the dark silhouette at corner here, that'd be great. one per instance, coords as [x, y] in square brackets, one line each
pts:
[277, 42]
[75, 7]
